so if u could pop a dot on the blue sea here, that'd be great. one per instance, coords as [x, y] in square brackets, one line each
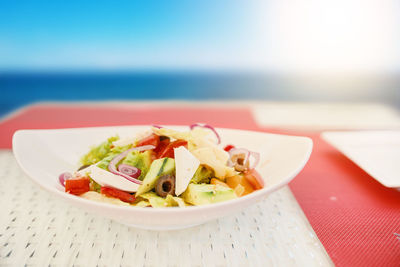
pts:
[19, 89]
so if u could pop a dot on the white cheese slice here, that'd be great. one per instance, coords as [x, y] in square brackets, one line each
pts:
[185, 166]
[124, 141]
[106, 178]
[131, 139]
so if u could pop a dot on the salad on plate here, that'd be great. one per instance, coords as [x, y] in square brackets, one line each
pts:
[163, 167]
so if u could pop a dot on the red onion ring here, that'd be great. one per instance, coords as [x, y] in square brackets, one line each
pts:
[156, 126]
[112, 165]
[207, 127]
[129, 170]
[248, 154]
[63, 177]
[235, 151]
[256, 157]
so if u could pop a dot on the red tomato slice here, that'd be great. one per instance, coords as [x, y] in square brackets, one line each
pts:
[163, 144]
[229, 147]
[113, 192]
[254, 179]
[168, 152]
[152, 139]
[77, 186]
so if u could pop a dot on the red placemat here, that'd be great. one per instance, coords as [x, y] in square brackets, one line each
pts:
[353, 215]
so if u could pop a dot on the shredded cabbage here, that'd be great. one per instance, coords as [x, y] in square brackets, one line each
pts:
[92, 195]
[175, 201]
[155, 200]
[159, 202]
[142, 204]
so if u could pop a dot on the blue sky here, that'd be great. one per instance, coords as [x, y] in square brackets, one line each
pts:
[118, 34]
[302, 36]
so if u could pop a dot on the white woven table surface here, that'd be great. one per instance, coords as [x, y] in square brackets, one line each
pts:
[36, 229]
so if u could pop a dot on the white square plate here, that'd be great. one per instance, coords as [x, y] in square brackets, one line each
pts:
[44, 154]
[376, 152]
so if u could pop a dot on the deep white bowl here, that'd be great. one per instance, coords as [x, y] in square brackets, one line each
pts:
[44, 154]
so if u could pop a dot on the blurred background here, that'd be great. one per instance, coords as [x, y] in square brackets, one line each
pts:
[302, 50]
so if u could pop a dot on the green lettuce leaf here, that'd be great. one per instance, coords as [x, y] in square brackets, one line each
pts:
[99, 152]
[113, 152]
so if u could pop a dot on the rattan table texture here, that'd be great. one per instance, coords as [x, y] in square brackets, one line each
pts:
[37, 229]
